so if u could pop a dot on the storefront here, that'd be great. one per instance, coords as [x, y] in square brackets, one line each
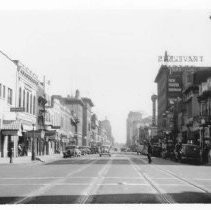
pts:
[11, 133]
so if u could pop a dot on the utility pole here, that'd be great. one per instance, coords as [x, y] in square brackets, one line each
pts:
[44, 110]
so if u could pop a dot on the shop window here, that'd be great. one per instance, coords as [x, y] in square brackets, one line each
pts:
[9, 96]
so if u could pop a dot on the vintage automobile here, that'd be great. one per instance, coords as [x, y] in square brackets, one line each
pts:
[156, 150]
[93, 150]
[71, 151]
[190, 152]
[123, 149]
[83, 150]
[104, 150]
[88, 150]
[168, 150]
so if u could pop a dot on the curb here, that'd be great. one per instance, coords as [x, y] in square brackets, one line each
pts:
[38, 160]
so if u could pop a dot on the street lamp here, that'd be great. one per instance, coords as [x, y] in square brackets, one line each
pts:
[33, 146]
[203, 126]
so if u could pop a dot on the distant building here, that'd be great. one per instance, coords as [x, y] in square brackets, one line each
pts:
[88, 104]
[106, 131]
[179, 103]
[191, 111]
[169, 88]
[81, 107]
[75, 105]
[133, 124]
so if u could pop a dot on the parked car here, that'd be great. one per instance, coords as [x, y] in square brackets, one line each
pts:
[190, 152]
[156, 150]
[77, 152]
[104, 150]
[139, 149]
[93, 150]
[71, 151]
[123, 149]
[83, 150]
[168, 150]
[87, 150]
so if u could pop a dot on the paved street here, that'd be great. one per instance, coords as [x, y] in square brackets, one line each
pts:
[123, 178]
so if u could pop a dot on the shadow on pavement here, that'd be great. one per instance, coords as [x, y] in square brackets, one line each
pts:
[140, 160]
[161, 161]
[185, 197]
[86, 161]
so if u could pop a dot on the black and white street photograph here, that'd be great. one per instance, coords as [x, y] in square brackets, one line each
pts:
[105, 102]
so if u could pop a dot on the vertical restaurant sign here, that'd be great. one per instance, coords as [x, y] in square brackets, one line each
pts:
[174, 85]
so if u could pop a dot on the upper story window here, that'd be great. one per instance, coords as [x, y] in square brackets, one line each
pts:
[62, 122]
[20, 96]
[0, 89]
[189, 78]
[4, 91]
[9, 96]
[30, 103]
[34, 105]
[24, 98]
[27, 102]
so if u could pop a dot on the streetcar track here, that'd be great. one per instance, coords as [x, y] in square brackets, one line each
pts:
[88, 194]
[45, 188]
[164, 197]
[179, 178]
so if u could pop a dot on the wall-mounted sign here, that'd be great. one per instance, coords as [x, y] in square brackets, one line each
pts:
[17, 109]
[55, 127]
[180, 58]
[174, 85]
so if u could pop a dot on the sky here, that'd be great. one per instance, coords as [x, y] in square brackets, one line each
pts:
[107, 51]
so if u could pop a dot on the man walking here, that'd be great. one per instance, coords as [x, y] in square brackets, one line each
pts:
[10, 153]
[149, 152]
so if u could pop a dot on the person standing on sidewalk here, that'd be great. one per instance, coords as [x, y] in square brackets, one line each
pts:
[10, 154]
[149, 152]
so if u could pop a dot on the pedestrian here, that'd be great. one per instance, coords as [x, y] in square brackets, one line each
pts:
[10, 154]
[149, 152]
[19, 150]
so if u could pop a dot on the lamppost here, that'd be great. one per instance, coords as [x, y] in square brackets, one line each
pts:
[202, 134]
[33, 146]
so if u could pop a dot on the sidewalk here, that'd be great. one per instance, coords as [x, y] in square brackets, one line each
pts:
[27, 159]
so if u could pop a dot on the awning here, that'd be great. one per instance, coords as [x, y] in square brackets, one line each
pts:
[11, 125]
[12, 128]
[51, 135]
[35, 133]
